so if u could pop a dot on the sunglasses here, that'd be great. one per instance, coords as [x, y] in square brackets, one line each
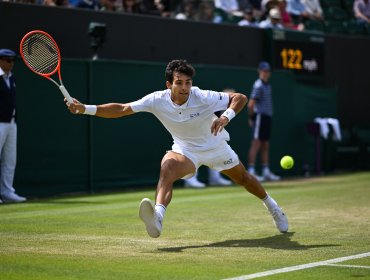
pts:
[8, 59]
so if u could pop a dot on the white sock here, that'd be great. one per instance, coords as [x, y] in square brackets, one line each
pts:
[160, 209]
[251, 169]
[270, 203]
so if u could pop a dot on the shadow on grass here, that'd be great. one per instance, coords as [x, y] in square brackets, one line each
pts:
[280, 242]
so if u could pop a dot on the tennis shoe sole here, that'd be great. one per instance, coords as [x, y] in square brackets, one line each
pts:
[148, 216]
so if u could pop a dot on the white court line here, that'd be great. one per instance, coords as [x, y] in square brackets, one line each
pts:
[349, 265]
[299, 267]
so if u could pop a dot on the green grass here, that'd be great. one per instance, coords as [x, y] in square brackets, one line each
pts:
[214, 233]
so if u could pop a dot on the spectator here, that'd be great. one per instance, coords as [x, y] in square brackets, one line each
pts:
[108, 5]
[313, 9]
[297, 10]
[88, 4]
[49, 3]
[260, 113]
[248, 19]
[8, 128]
[186, 11]
[286, 19]
[206, 12]
[157, 7]
[228, 6]
[129, 6]
[149, 7]
[361, 8]
[266, 6]
[273, 20]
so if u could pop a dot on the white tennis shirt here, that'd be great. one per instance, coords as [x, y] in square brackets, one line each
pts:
[190, 123]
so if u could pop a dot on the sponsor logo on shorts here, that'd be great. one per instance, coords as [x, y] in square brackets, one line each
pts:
[229, 161]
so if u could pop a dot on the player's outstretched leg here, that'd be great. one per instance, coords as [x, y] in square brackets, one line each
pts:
[240, 176]
[151, 219]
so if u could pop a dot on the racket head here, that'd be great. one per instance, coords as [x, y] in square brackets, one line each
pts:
[40, 53]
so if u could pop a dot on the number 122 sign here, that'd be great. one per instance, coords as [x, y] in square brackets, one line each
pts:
[303, 57]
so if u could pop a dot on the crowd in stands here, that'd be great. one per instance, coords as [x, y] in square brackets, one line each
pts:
[298, 15]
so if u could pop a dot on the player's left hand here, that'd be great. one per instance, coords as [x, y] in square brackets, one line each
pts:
[218, 125]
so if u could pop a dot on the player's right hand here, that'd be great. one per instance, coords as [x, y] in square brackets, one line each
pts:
[76, 107]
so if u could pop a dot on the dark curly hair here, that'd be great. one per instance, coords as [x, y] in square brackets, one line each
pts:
[180, 66]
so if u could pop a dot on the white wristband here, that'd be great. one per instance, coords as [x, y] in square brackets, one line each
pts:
[90, 109]
[229, 113]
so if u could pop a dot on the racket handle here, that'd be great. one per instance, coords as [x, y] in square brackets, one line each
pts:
[66, 94]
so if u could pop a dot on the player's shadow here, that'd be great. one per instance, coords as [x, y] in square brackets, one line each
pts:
[279, 242]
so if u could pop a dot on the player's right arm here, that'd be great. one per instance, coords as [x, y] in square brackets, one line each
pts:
[114, 110]
[109, 110]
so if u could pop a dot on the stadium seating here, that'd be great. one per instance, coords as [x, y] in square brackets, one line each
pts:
[336, 27]
[336, 13]
[331, 3]
[315, 25]
[353, 28]
[348, 6]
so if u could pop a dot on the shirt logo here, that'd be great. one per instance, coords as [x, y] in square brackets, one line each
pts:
[229, 161]
[194, 115]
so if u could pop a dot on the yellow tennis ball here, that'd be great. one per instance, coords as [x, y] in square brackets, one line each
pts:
[286, 162]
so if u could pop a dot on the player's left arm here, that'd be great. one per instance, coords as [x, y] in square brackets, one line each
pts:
[237, 102]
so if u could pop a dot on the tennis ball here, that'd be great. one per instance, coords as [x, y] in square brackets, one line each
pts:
[286, 162]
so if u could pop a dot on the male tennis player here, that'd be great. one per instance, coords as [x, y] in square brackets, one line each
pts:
[199, 137]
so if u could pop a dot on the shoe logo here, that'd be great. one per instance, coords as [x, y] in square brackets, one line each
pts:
[229, 161]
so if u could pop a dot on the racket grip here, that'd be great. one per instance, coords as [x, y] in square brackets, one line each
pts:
[66, 94]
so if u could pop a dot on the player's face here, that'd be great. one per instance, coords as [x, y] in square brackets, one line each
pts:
[180, 88]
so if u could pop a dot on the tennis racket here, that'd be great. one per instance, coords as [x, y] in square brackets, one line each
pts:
[41, 54]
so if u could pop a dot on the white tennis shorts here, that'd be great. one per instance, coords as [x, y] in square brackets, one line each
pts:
[220, 158]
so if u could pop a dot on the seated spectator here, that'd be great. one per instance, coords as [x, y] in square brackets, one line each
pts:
[88, 4]
[297, 10]
[266, 6]
[361, 9]
[206, 12]
[63, 3]
[313, 9]
[273, 20]
[248, 19]
[129, 6]
[186, 10]
[49, 3]
[286, 19]
[108, 5]
[156, 7]
[228, 6]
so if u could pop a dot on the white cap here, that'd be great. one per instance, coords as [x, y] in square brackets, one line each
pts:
[275, 13]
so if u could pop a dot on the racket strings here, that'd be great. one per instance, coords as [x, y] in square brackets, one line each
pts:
[41, 53]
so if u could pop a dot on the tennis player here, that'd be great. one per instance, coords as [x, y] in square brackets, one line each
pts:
[199, 138]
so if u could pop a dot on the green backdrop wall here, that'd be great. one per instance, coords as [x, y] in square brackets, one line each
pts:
[59, 152]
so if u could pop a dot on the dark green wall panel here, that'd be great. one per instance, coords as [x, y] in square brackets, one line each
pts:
[59, 152]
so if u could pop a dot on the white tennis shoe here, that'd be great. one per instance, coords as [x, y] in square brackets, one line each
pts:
[150, 218]
[280, 219]
[13, 197]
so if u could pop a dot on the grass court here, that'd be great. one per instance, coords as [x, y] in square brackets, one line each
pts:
[212, 233]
